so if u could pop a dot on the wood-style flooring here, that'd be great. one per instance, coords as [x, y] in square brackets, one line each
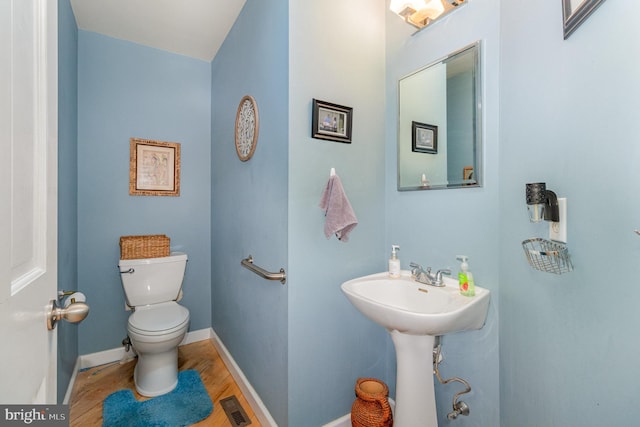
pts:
[93, 385]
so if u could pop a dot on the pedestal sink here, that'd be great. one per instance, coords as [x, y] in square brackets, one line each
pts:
[414, 314]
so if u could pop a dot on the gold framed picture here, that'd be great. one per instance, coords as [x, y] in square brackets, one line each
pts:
[154, 168]
[467, 173]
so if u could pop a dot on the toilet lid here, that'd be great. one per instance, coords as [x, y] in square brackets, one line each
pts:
[159, 317]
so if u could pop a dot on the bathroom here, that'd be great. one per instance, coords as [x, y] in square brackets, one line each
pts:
[556, 350]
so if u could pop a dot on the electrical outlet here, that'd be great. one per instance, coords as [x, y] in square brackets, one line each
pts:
[558, 230]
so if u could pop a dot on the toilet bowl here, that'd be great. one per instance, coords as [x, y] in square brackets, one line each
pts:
[155, 332]
[158, 323]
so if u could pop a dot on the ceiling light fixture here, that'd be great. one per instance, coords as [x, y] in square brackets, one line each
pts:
[421, 13]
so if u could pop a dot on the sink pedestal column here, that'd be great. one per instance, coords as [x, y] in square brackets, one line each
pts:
[415, 393]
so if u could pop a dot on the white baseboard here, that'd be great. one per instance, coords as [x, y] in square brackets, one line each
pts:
[102, 358]
[119, 354]
[116, 354]
[195, 336]
[72, 381]
[261, 411]
[344, 421]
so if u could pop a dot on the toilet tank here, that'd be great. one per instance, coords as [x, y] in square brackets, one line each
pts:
[152, 280]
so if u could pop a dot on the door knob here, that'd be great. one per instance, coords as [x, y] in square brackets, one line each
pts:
[74, 313]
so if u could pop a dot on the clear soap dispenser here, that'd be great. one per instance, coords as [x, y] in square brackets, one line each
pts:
[394, 262]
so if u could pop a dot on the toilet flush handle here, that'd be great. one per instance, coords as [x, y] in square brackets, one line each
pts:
[129, 271]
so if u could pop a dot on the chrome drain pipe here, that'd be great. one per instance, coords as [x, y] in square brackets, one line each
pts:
[459, 408]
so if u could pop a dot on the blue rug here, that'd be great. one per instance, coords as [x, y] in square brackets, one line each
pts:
[187, 404]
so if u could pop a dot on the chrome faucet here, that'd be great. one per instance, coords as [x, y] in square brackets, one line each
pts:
[424, 276]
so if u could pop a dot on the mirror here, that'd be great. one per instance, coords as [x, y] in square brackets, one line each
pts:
[439, 124]
[574, 12]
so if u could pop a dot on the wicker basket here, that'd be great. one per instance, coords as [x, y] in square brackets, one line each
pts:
[150, 246]
[371, 407]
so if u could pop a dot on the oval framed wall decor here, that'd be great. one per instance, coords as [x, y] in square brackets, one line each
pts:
[247, 126]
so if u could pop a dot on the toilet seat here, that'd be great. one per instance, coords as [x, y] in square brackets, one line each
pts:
[158, 319]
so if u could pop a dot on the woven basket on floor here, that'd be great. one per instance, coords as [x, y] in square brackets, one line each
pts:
[150, 246]
[371, 407]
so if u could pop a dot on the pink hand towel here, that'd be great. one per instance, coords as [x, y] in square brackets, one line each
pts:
[340, 219]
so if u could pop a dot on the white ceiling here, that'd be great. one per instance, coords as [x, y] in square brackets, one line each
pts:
[194, 28]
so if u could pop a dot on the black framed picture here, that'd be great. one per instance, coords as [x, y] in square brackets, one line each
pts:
[575, 13]
[331, 121]
[424, 138]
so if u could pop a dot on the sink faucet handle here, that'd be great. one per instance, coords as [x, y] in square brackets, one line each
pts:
[446, 271]
[415, 268]
[439, 274]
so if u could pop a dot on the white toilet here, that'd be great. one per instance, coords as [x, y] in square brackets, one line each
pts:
[158, 323]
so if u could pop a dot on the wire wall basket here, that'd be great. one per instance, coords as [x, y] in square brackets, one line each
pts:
[548, 256]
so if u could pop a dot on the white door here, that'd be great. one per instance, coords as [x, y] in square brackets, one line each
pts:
[28, 193]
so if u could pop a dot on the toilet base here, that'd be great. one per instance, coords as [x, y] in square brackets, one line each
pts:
[156, 370]
[156, 373]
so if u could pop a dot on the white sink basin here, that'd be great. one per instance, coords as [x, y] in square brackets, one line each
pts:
[414, 308]
[414, 314]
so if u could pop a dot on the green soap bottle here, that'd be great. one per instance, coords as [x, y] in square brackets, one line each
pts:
[465, 278]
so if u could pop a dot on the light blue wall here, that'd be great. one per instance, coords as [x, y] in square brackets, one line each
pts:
[302, 340]
[563, 112]
[249, 200]
[67, 184]
[432, 227]
[336, 55]
[127, 90]
[569, 113]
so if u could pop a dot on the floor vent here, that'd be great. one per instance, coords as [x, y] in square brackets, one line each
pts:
[236, 414]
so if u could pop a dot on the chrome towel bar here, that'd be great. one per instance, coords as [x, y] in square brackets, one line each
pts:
[248, 264]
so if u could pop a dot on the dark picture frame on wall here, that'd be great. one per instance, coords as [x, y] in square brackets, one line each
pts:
[424, 138]
[574, 14]
[332, 122]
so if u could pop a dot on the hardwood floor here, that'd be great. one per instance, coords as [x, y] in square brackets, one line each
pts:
[93, 385]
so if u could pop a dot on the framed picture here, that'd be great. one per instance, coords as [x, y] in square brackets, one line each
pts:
[575, 12]
[154, 168]
[467, 173]
[331, 121]
[424, 138]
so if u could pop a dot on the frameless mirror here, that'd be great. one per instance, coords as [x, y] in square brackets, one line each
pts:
[439, 124]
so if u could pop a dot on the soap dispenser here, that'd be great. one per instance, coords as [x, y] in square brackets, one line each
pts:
[394, 262]
[465, 278]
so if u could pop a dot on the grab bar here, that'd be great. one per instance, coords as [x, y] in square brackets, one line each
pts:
[248, 264]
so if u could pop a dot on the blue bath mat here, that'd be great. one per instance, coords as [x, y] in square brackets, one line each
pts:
[187, 404]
